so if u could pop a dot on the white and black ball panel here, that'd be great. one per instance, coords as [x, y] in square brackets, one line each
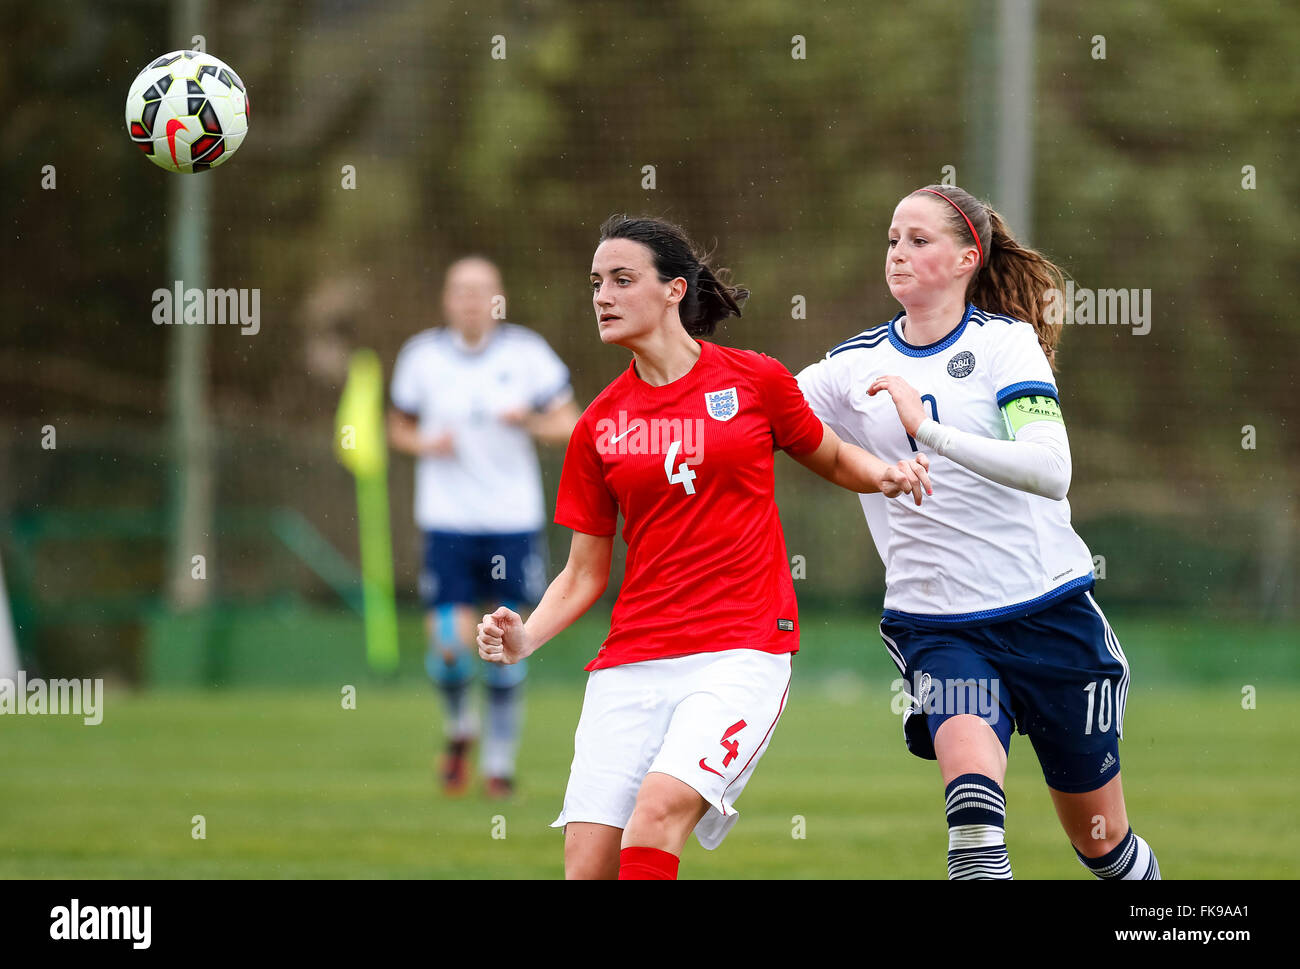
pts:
[188, 111]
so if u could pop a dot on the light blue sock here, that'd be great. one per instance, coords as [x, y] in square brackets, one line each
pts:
[451, 678]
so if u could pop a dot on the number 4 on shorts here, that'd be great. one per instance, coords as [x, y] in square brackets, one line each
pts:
[732, 747]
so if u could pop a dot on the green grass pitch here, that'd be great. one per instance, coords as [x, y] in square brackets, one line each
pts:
[291, 785]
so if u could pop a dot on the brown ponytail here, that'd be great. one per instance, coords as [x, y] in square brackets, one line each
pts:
[1013, 280]
[716, 299]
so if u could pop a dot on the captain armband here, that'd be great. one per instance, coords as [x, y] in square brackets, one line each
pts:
[1026, 410]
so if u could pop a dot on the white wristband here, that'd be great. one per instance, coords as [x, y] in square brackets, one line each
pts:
[933, 435]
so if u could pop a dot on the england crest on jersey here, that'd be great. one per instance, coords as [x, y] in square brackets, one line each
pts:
[722, 404]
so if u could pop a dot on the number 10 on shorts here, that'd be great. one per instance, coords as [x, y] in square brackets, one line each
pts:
[1103, 706]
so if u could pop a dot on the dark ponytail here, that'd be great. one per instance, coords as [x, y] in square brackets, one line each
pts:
[1014, 280]
[709, 297]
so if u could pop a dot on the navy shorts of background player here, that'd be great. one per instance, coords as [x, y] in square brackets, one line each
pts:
[1057, 675]
[466, 569]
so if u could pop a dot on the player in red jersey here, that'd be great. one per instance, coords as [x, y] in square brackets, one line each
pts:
[684, 694]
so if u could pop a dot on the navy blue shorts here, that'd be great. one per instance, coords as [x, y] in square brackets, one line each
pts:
[465, 569]
[1058, 675]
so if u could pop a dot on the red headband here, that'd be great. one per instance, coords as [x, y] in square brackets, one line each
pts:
[964, 216]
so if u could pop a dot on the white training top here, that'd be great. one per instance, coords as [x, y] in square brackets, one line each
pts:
[492, 484]
[975, 551]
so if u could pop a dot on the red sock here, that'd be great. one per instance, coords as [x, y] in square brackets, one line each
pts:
[648, 864]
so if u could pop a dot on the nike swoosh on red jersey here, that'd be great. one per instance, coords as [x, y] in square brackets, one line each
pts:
[172, 127]
[615, 440]
[710, 769]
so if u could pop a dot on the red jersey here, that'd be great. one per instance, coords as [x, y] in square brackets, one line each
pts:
[689, 465]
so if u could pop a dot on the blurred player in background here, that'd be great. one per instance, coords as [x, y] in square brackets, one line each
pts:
[469, 399]
[690, 682]
[989, 613]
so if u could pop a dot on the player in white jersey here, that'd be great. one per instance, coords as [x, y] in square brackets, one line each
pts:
[988, 614]
[468, 401]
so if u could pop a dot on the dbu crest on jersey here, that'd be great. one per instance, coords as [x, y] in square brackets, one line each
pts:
[722, 404]
[961, 364]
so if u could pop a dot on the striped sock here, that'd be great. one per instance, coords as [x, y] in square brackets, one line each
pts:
[977, 811]
[1130, 860]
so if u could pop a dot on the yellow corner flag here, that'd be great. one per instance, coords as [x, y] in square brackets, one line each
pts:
[362, 447]
[359, 439]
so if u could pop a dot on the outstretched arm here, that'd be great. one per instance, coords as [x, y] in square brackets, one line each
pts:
[848, 466]
[503, 637]
[1036, 460]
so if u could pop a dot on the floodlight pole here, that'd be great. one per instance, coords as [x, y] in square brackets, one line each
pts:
[1015, 174]
[1000, 109]
[190, 437]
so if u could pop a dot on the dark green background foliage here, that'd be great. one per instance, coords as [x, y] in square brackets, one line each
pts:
[790, 167]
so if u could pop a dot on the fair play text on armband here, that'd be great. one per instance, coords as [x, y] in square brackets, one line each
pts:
[1025, 410]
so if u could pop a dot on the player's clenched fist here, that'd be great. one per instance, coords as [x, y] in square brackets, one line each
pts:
[501, 637]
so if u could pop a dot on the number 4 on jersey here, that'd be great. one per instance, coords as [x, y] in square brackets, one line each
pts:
[684, 475]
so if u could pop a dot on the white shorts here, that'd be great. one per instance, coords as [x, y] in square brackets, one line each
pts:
[704, 719]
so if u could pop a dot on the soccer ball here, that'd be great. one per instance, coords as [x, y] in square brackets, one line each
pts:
[188, 111]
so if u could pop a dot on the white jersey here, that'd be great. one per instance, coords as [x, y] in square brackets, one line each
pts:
[976, 550]
[492, 484]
